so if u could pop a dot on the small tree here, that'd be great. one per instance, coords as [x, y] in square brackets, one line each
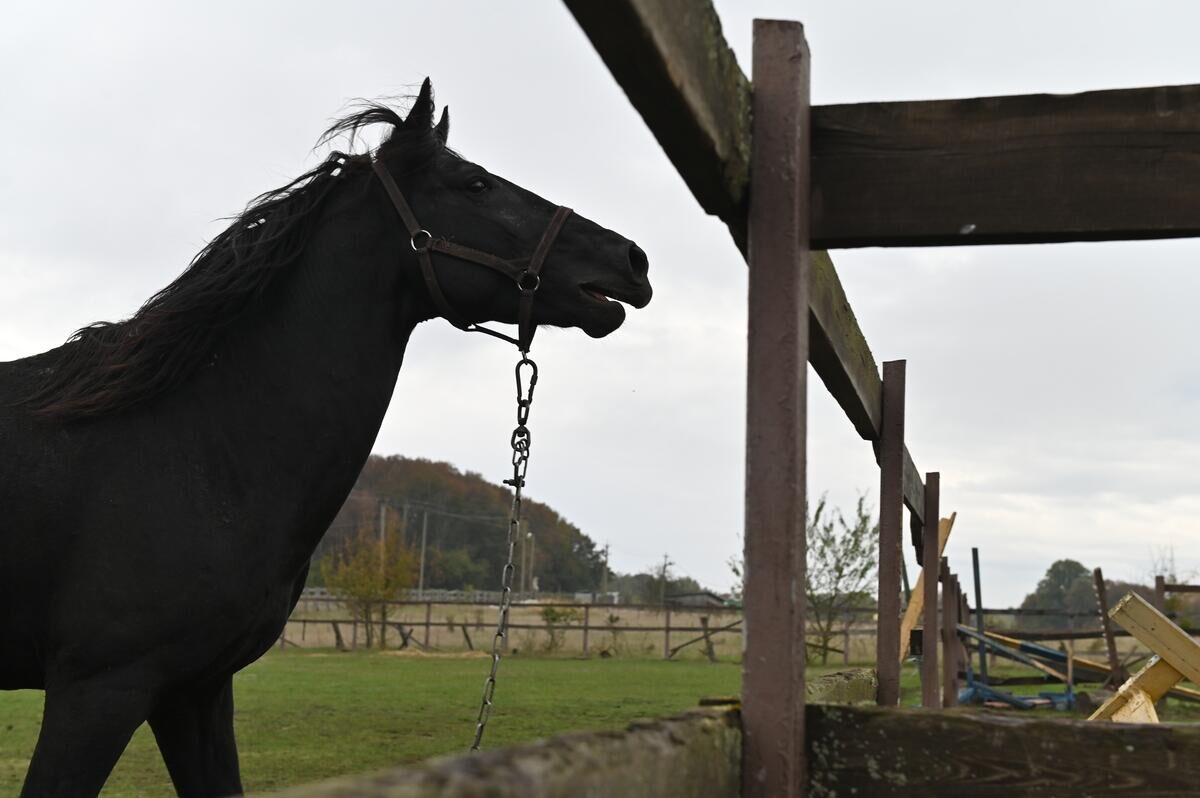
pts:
[366, 573]
[839, 572]
[841, 567]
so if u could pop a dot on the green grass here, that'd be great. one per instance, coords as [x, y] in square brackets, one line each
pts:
[303, 716]
[308, 715]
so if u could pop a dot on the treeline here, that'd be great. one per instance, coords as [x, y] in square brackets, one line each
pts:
[464, 518]
[1068, 585]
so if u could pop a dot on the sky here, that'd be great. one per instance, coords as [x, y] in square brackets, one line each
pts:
[1054, 387]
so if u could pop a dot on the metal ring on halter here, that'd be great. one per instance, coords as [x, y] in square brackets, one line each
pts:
[423, 247]
[528, 281]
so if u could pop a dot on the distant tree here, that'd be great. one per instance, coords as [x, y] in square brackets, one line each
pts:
[841, 568]
[1067, 585]
[365, 574]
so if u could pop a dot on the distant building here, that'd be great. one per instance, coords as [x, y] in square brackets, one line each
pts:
[702, 599]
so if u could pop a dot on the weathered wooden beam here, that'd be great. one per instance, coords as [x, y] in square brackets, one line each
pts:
[891, 521]
[1008, 170]
[884, 753]
[839, 353]
[777, 418]
[674, 64]
[672, 61]
[928, 581]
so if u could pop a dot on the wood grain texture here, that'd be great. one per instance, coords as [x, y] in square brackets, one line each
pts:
[675, 66]
[1101, 165]
[891, 521]
[776, 418]
[1156, 632]
[868, 751]
[1134, 701]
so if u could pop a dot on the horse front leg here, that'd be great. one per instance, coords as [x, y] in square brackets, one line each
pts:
[194, 730]
[85, 728]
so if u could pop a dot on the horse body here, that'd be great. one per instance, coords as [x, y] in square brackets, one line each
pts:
[149, 553]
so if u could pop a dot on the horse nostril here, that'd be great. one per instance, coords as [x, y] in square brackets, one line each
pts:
[638, 261]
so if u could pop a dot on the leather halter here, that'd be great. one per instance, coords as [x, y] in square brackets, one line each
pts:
[525, 272]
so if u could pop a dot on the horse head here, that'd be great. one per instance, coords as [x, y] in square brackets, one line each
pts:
[490, 250]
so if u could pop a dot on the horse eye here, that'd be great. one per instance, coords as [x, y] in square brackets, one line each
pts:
[477, 186]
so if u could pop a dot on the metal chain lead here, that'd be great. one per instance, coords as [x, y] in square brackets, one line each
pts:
[520, 462]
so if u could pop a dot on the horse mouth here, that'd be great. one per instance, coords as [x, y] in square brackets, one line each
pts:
[638, 296]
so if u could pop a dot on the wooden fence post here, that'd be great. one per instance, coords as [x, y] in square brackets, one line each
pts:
[586, 617]
[1116, 671]
[929, 548]
[1160, 594]
[428, 621]
[667, 635]
[773, 758]
[891, 522]
[950, 615]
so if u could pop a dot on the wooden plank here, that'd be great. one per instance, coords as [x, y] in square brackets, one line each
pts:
[776, 417]
[913, 611]
[1169, 588]
[840, 354]
[885, 753]
[891, 520]
[1008, 170]
[675, 66]
[1156, 632]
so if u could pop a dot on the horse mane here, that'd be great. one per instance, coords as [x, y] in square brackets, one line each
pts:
[108, 367]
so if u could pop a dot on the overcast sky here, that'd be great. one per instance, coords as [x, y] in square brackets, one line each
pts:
[1055, 387]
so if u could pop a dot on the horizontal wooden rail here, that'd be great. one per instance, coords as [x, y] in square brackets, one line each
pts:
[1024, 169]
[1181, 588]
[679, 73]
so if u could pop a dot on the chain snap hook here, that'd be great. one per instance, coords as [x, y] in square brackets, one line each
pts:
[526, 377]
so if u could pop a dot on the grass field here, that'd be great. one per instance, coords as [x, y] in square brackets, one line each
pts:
[303, 716]
[307, 715]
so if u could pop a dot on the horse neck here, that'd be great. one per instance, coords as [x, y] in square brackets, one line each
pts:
[296, 397]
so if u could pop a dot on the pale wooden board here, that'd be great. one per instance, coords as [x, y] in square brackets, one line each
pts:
[912, 613]
[1159, 634]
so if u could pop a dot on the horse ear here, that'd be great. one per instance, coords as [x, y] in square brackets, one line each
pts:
[421, 115]
[443, 126]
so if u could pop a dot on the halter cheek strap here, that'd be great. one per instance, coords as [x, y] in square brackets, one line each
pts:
[525, 272]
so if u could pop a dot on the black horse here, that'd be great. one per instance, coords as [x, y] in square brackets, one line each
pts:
[165, 479]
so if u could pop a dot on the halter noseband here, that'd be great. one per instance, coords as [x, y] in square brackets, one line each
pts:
[525, 272]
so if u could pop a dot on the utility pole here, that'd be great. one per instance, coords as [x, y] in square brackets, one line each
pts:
[604, 574]
[662, 596]
[421, 577]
